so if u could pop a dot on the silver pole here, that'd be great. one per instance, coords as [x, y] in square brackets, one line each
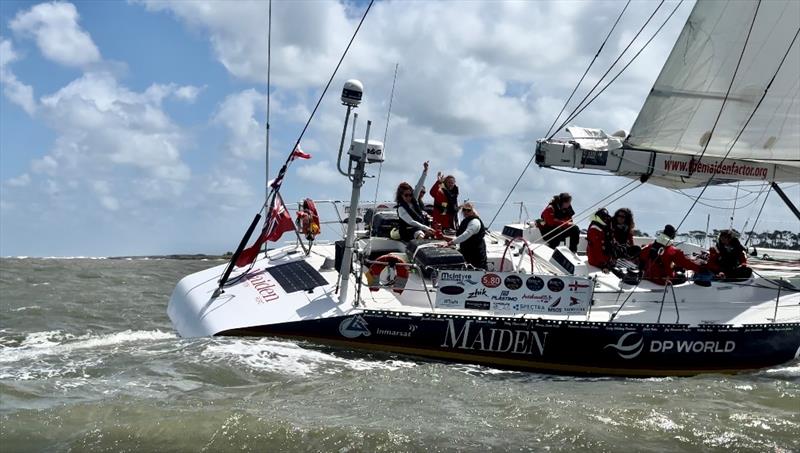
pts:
[358, 181]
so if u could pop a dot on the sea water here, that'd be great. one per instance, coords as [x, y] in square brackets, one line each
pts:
[89, 362]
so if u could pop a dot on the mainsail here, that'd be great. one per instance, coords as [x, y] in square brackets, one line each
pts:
[727, 56]
[680, 111]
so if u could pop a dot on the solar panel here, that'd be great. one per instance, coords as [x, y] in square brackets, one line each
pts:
[297, 276]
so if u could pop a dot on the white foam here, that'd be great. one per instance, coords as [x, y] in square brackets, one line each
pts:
[661, 422]
[788, 371]
[39, 344]
[289, 358]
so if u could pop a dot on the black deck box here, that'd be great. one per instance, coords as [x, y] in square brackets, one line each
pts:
[431, 257]
[383, 222]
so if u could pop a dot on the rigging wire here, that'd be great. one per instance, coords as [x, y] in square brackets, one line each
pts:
[744, 127]
[579, 111]
[733, 211]
[730, 85]
[724, 208]
[385, 134]
[273, 192]
[588, 68]
[753, 228]
[575, 114]
[533, 156]
[600, 80]
[319, 101]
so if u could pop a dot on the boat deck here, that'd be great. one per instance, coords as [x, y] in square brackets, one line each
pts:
[756, 301]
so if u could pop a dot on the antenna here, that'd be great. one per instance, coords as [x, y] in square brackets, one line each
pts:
[360, 153]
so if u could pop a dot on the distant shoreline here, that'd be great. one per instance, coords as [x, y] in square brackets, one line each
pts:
[195, 256]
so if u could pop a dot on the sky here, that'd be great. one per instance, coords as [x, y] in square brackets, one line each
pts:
[138, 128]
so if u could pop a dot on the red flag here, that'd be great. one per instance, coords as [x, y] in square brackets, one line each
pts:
[279, 222]
[299, 153]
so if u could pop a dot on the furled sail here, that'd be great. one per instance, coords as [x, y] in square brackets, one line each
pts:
[679, 113]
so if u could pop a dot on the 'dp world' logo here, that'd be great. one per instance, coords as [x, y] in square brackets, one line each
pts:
[629, 346]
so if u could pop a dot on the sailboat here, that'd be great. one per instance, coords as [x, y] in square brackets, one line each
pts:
[723, 109]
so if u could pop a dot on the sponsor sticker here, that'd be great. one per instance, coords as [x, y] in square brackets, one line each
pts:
[451, 290]
[513, 282]
[445, 302]
[555, 285]
[578, 287]
[477, 305]
[354, 327]
[534, 283]
[491, 280]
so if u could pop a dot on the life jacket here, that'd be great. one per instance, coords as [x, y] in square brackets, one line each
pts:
[308, 219]
[474, 248]
[622, 233]
[406, 230]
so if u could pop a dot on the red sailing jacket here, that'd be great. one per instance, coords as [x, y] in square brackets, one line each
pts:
[550, 219]
[661, 269]
[443, 214]
[716, 262]
[595, 251]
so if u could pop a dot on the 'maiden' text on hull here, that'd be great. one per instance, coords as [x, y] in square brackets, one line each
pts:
[490, 339]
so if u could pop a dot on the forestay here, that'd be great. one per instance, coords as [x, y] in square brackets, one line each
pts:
[680, 110]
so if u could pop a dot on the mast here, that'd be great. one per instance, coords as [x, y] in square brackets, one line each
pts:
[266, 146]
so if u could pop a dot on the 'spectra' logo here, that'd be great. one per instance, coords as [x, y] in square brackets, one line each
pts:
[354, 327]
[628, 351]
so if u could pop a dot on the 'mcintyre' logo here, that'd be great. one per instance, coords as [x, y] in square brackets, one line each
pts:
[628, 349]
[354, 327]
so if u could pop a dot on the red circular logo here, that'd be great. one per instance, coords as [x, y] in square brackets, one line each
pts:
[491, 280]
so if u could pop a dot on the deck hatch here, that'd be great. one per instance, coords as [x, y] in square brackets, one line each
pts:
[297, 276]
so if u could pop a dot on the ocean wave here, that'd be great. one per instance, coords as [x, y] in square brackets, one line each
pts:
[56, 342]
[788, 371]
[289, 358]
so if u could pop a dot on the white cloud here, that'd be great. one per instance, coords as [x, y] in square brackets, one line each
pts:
[99, 120]
[103, 191]
[16, 91]
[46, 165]
[237, 114]
[322, 172]
[188, 93]
[57, 33]
[19, 181]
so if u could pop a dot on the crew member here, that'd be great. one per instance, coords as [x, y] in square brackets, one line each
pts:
[659, 259]
[622, 227]
[445, 201]
[470, 237]
[419, 192]
[556, 224]
[600, 237]
[728, 259]
[413, 223]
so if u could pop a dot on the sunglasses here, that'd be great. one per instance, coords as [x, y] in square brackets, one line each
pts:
[466, 210]
[407, 194]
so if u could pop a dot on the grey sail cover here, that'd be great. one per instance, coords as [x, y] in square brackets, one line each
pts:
[679, 112]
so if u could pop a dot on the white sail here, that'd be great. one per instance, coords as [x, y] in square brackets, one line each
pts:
[680, 111]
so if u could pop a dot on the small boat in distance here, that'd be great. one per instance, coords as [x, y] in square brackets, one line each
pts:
[724, 109]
